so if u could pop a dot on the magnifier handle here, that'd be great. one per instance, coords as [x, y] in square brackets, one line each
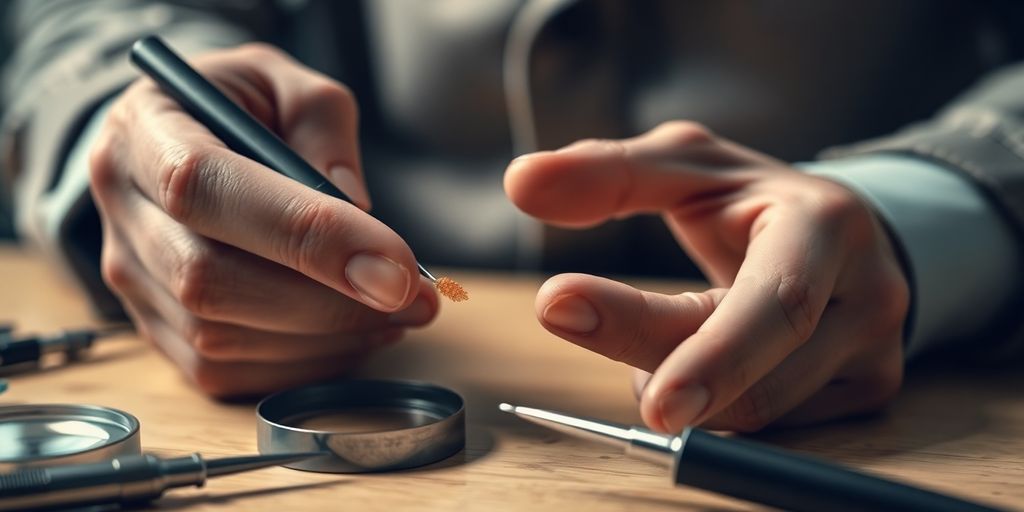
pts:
[134, 478]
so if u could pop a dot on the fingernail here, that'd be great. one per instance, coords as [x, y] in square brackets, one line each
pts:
[572, 313]
[378, 279]
[682, 406]
[345, 179]
[418, 313]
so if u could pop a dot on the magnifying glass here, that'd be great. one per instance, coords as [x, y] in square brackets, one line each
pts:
[367, 425]
[41, 435]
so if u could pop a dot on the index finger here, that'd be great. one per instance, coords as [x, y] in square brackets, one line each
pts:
[592, 181]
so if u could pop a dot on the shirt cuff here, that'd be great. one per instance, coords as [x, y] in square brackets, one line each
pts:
[959, 249]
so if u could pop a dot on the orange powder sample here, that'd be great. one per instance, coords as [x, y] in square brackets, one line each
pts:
[451, 289]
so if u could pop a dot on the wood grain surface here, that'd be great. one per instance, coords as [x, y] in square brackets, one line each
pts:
[955, 428]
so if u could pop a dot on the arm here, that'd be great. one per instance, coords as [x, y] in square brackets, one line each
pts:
[925, 205]
[806, 322]
[980, 138]
[70, 56]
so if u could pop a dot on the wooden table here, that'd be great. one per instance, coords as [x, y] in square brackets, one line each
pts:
[958, 430]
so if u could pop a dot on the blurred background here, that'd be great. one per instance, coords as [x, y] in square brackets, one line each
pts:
[6, 231]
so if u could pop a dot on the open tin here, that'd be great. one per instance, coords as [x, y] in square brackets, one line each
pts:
[42, 435]
[369, 425]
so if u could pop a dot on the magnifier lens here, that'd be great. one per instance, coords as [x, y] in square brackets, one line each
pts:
[52, 434]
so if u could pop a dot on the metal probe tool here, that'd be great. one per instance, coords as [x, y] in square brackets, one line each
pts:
[128, 479]
[752, 471]
[30, 349]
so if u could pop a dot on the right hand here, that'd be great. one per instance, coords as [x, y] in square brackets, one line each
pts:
[248, 280]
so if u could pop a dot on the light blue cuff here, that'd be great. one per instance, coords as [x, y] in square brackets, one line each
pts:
[960, 250]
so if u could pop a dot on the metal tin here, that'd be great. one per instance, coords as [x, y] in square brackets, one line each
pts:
[430, 426]
[39, 435]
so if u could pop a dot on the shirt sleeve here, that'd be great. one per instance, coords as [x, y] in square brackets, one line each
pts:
[959, 250]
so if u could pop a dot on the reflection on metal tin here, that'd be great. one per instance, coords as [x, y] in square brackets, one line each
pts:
[368, 425]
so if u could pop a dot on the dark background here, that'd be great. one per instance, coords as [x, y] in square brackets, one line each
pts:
[6, 231]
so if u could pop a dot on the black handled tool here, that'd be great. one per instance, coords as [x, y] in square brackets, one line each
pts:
[30, 349]
[753, 471]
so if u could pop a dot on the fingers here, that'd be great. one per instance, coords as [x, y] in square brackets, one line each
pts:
[218, 282]
[591, 181]
[230, 379]
[803, 373]
[224, 196]
[620, 322]
[218, 341]
[780, 292]
[314, 115]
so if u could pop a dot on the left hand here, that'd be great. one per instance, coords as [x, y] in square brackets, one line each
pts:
[805, 321]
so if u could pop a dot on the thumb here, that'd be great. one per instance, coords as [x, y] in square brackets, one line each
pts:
[591, 181]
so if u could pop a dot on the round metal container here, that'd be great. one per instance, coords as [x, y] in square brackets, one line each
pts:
[41, 435]
[368, 425]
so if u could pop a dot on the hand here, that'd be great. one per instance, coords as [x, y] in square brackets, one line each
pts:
[246, 279]
[805, 320]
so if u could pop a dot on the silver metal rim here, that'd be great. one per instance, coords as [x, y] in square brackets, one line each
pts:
[127, 444]
[361, 452]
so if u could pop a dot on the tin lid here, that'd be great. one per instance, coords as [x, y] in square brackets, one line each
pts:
[368, 425]
[36, 435]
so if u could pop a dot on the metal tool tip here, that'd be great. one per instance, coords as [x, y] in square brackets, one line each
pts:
[232, 465]
[506, 407]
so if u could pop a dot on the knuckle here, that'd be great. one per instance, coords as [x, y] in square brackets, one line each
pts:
[333, 95]
[839, 210]
[194, 281]
[307, 227]
[896, 291]
[892, 306]
[211, 342]
[686, 133]
[182, 173]
[102, 167]
[116, 270]
[794, 296]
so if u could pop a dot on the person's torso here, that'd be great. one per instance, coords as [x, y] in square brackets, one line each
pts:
[785, 77]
